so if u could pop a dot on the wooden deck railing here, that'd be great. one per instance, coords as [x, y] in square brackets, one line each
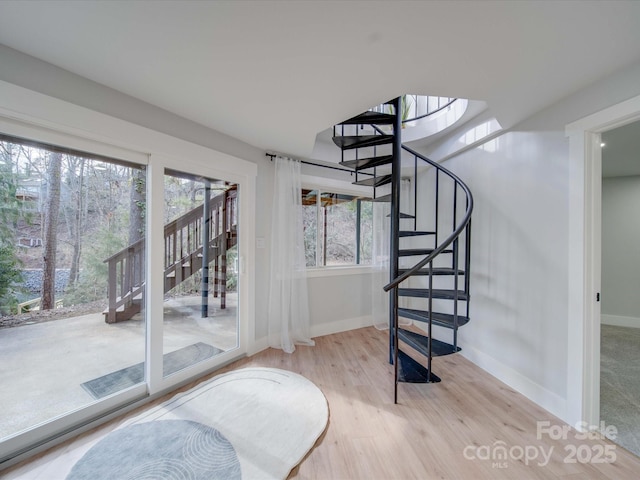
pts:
[182, 254]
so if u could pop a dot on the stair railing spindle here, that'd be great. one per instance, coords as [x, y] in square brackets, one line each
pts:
[394, 232]
[415, 192]
[455, 207]
[437, 209]
[467, 262]
[430, 324]
[455, 294]
[394, 296]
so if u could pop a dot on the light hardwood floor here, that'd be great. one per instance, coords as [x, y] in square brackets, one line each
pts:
[439, 431]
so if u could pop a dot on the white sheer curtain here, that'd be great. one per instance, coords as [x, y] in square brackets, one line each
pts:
[288, 297]
[380, 265]
[380, 260]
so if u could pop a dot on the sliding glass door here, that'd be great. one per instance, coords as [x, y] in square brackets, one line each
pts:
[77, 338]
[72, 318]
[86, 270]
[200, 276]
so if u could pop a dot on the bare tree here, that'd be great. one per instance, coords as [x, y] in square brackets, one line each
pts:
[137, 205]
[77, 224]
[47, 300]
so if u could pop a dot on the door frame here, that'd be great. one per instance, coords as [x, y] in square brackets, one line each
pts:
[584, 258]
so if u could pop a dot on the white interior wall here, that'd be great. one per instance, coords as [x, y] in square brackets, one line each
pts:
[519, 262]
[520, 272]
[340, 302]
[621, 251]
[519, 241]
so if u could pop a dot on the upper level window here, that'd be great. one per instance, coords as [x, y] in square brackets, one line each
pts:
[338, 228]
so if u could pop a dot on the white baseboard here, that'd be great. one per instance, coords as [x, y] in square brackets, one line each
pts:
[338, 326]
[258, 346]
[319, 330]
[620, 321]
[550, 401]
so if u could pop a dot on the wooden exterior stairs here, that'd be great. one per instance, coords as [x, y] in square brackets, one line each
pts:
[183, 253]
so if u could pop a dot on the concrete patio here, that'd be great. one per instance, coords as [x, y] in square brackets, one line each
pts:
[44, 364]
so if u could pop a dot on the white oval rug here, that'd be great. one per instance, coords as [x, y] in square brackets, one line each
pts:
[253, 423]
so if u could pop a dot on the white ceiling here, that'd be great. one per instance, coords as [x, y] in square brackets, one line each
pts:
[275, 73]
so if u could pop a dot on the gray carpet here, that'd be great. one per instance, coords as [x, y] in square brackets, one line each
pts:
[166, 449]
[128, 377]
[620, 384]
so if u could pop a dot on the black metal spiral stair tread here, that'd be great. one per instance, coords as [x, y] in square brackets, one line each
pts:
[420, 343]
[437, 318]
[435, 293]
[350, 142]
[436, 271]
[374, 181]
[370, 162]
[371, 118]
[412, 252]
[402, 215]
[410, 371]
[413, 233]
[383, 198]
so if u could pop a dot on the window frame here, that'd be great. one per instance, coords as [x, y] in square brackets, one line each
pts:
[328, 185]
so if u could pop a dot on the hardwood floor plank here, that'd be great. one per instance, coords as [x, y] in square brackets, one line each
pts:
[440, 431]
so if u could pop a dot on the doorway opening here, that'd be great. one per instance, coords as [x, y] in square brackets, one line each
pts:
[620, 279]
[585, 240]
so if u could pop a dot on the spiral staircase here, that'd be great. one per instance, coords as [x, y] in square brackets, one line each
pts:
[430, 238]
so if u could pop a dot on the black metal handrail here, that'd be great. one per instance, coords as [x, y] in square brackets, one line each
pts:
[448, 101]
[453, 236]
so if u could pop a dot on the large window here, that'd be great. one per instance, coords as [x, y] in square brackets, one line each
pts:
[72, 317]
[337, 228]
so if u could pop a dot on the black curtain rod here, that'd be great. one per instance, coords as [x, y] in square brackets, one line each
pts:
[272, 155]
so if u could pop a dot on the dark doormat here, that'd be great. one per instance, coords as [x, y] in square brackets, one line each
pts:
[127, 377]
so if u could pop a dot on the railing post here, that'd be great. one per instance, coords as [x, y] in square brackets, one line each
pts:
[415, 192]
[437, 209]
[204, 311]
[455, 294]
[111, 292]
[467, 262]
[127, 287]
[394, 240]
[358, 232]
[455, 207]
[223, 255]
[375, 175]
[430, 324]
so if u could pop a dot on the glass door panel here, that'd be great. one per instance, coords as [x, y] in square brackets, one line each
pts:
[200, 273]
[72, 320]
